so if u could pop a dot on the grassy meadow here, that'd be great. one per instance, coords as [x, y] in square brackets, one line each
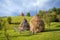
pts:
[51, 33]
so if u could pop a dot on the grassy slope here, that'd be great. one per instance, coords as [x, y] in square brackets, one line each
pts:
[51, 33]
[20, 18]
[16, 19]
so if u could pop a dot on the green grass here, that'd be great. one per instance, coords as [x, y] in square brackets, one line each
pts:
[50, 33]
[18, 19]
[15, 19]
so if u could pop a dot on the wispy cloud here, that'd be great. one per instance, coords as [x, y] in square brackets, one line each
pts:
[14, 7]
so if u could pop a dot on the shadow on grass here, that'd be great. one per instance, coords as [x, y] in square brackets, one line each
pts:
[21, 35]
[14, 23]
[0, 33]
[2, 37]
[58, 26]
[52, 30]
[27, 35]
[17, 36]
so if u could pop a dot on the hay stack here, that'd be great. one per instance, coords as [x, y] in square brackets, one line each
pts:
[22, 14]
[36, 24]
[24, 25]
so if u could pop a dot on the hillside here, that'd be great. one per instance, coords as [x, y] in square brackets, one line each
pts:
[19, 19]
[50, 33]
[15, 21]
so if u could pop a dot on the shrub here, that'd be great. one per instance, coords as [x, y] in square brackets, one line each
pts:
[52, 17]
[28, 14]
[58, 17]
[2, 23]
[9, 20]
[40, 13]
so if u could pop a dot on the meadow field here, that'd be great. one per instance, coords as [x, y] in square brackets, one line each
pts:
[51, 33]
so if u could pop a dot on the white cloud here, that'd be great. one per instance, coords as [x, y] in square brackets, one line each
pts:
[9, 7]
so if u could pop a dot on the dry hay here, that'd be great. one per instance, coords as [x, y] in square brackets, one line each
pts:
[24, 25]
[36, 24]
[22, 14]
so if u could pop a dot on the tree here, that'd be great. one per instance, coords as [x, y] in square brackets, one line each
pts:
[58, 10]
[41, 13]
[9, 20]
[54, 9]
[28, 14]
[58, 17]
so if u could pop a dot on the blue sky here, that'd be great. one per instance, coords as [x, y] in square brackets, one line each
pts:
[15, 7]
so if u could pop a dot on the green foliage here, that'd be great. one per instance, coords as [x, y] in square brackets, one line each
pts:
[40, 13]
[50, 17]
[54, 9]
[28, 14]
[9, 20]
[57, 10]
[58, 17]
[47, 20]
[2, 23]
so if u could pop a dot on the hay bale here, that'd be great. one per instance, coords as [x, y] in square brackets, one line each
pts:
[24, 25]
[36, 24]
[22, 14]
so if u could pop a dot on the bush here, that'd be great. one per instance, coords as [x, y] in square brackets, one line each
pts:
[40, 13]
[58, 17]
[48, 18]
[9, 20]
[52, 16]
[2, 23]
[28, 14]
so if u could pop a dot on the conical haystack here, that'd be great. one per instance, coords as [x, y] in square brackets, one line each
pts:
[24, 25]
[22, 14]
[36, 24]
